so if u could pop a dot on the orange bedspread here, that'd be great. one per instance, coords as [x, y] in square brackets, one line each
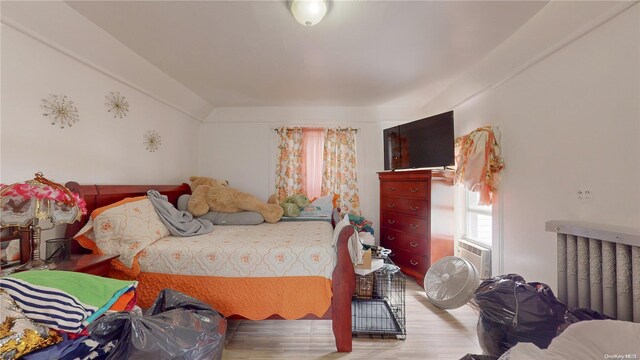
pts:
[252, 298]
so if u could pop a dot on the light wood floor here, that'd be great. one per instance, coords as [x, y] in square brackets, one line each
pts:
[432, 333]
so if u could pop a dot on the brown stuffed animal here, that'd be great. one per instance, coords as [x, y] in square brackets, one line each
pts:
[211, 194]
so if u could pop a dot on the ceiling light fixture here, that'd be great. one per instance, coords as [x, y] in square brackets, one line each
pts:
[308, 12]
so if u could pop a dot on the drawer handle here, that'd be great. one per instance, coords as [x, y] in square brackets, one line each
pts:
[413, 227]
[390, 221]
[414, 208]
[414, 190]
[391, 238]
[413, 262]
[391, 205]
[413, 245]
[392, 189]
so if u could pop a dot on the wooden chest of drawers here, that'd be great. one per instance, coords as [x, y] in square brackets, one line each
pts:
[416, 218]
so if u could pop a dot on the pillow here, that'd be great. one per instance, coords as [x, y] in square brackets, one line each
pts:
[222, 218]
[123, 228]
[319, 207]
[18, 334]
[237, 218]
[322, 206]
[183, 201]
[86, 237]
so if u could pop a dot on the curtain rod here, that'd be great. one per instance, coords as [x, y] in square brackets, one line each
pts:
[316, 127]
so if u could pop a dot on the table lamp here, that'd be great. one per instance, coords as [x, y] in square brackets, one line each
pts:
[26, 204]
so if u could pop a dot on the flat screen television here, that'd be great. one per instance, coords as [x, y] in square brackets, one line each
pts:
[423, 143]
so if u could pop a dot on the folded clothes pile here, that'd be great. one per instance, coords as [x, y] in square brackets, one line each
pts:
[58, 306]
[361, 224]
[66, 315]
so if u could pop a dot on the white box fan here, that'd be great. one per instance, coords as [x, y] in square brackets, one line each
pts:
[450, 282]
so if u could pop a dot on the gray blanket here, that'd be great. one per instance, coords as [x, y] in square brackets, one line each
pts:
[179, 223]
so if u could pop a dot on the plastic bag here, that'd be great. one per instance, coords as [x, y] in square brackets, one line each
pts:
[478, 357]
[175, 327]
[512, 311]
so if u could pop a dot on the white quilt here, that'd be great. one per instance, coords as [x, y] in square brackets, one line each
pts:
[302, 248]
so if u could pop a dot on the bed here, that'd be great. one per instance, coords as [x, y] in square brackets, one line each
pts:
[313, 290]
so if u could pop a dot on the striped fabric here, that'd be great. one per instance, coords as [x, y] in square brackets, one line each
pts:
[49, 306]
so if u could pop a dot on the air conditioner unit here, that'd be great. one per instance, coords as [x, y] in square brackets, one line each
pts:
[479, 256]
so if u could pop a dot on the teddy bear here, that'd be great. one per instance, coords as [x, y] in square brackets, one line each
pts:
[293, 204]
[216, 195]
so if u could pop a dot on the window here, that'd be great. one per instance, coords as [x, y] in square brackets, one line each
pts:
[478, 222]
[318, 162]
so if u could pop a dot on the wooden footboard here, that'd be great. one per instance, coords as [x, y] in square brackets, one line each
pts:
[343, 277]
[343, 286]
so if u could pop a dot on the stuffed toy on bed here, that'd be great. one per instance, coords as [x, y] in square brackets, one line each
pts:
[293, 204]
[216, 195]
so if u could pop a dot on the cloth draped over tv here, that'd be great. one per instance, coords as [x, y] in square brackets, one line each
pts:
[479, 162]
[338, 158]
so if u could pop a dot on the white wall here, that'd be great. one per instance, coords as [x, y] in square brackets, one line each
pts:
[570, 121]
[97, 149]
[241, 147]
[65, 29]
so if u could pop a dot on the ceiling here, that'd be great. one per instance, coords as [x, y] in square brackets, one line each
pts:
[364, 53]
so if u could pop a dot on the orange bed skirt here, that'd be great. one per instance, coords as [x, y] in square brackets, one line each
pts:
[253, 298]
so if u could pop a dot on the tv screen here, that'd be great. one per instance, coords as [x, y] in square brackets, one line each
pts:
[427, 142]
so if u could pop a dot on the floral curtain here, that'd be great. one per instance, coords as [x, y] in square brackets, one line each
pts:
[478, 162]
[289, 174]
[339, 175]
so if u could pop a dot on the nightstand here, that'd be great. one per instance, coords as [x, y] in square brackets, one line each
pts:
[88, 263]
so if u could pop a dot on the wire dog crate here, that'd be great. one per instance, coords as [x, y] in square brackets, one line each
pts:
[378, 305]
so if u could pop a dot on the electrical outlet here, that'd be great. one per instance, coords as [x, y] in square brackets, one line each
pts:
[585, 195]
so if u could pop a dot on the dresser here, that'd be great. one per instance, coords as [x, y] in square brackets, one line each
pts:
[416, 218]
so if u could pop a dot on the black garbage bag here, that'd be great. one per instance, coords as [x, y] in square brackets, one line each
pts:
[169, 299]
[512, 311]
[478, 357]
[574, 315]
[175, 327]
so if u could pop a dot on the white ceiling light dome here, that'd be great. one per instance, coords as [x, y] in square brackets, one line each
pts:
[308, 12]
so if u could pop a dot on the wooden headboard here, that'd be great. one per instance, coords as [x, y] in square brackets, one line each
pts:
[101, 195]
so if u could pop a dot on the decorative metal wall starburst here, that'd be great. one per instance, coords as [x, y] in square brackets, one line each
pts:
[60, 110]
[117, 104]
[152, 140]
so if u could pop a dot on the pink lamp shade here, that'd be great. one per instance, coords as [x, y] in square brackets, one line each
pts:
[25, 204]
